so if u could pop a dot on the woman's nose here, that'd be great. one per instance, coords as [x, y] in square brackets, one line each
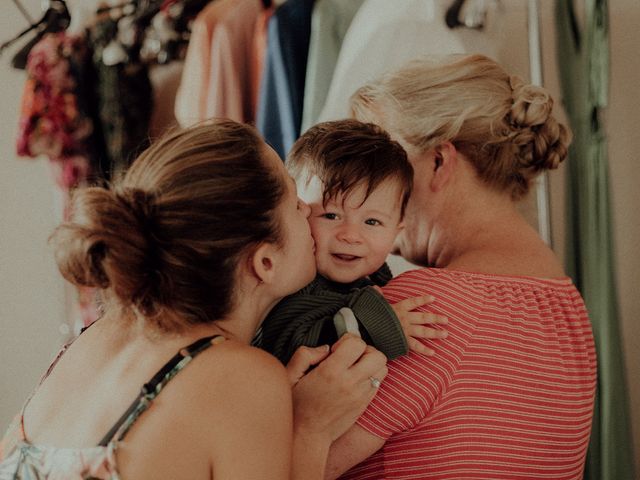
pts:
[306, 209]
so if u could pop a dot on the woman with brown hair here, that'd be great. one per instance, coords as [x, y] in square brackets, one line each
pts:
[192, 248]
[509, 393]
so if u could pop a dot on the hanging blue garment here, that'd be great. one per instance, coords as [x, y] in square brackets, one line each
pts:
[281, 95]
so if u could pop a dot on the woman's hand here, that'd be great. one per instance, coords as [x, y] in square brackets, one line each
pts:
[328, 400]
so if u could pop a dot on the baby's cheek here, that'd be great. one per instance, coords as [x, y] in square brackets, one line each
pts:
[318, 238]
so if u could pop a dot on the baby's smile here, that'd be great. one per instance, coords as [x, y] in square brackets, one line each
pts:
[345, 257]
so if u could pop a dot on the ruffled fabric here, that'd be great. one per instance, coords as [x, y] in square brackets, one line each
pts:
[22, 460]
[31, 462]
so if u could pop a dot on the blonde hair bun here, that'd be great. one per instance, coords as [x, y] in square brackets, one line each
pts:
[542, 141]
[503, 126]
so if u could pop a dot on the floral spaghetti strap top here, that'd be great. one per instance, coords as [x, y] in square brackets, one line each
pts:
[22, 460]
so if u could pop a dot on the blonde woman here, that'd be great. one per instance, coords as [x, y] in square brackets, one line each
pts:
[201, 239]
[509, 393]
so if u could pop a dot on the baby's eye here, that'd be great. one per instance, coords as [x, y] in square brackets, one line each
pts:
[330, 216]
[372, 221]
[299, 205]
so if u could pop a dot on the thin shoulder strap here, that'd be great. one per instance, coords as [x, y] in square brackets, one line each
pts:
[61, 352]
[151, 389]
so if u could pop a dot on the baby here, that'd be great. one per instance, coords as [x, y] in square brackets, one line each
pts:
[357, 182]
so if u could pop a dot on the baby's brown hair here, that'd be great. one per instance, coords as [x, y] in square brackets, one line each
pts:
[348, 153]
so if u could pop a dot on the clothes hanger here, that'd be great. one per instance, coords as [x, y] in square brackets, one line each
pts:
[169, 22]
[32, 26]
[121, 6]
[157, 29]
[473, 16]
[452, 17]
[24, 12]
[55, 19]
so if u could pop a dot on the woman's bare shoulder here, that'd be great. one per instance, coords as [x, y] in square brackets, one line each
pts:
[237, 391]
[238, 368]
[237, 354]
[229, 400]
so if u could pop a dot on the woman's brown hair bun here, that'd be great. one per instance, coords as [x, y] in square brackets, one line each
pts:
[108, 243]
[167, 238]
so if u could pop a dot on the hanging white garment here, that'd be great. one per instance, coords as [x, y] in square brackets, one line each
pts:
[384, 35]
[329, 24]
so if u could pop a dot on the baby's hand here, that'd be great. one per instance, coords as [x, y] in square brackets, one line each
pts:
[413, 323]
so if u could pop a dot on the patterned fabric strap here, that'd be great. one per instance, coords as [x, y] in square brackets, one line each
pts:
[152, 389]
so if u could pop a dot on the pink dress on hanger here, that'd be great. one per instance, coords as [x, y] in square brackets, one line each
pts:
[219, 71]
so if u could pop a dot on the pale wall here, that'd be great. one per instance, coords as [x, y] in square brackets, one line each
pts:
[31, 294]
[623, 120]
[32, 297]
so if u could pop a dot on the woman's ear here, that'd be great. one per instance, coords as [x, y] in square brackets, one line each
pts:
[445, 161]
[262, 263]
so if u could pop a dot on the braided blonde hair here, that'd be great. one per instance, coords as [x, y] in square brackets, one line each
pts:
[502, 125]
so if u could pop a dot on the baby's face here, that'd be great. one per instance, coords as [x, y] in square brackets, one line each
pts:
[353, 238]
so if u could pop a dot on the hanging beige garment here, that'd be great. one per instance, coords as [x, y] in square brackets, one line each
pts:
[229, 92]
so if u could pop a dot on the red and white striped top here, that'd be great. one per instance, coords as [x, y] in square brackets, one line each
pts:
[509, 393]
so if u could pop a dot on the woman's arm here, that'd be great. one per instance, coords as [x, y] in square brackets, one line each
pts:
[355, 446]
[252, 435]
[328, 400]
